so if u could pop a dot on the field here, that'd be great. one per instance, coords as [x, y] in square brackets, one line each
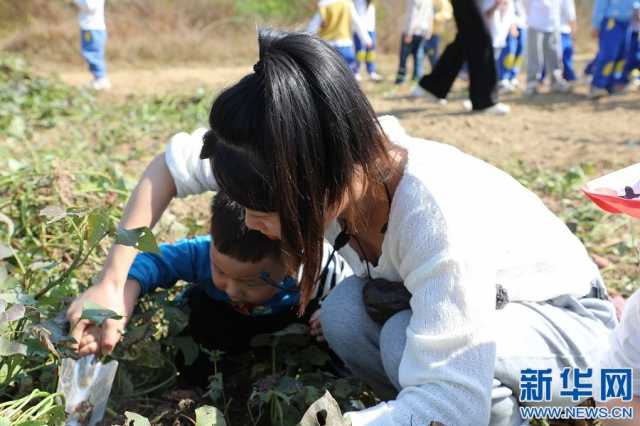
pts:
[70, 157]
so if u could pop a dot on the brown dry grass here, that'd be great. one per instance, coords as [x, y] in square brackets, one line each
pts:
[178, 32]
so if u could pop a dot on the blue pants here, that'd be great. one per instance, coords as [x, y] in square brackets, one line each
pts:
[568, 73]
[432, 49]
[609, 65]
[92, 44]
[415, 48]
[510, 59]
[349, 55]
[365, 54]
[633, 54]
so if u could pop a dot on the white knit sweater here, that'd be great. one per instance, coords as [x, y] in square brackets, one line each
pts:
[458, 226]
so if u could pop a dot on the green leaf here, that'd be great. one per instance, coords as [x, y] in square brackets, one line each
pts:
[7, 347]
[315, 356]
[5, 252]
[209, 416]
[97, 314]
[53, 213]
[12, 314]
[188, 347]
[17, 127]
[98, 226]
[4, 421]
[134, 419]
[140, 238]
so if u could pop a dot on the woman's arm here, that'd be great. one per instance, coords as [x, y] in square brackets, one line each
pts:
[179, 171]
[447, 366]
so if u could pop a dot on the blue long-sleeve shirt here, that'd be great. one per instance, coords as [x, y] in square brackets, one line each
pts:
[621, 10]
[188, 260]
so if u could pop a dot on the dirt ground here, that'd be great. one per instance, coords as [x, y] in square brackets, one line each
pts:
[548, 130]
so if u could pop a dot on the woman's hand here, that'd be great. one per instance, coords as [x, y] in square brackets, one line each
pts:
[316, 327]
[93, 339]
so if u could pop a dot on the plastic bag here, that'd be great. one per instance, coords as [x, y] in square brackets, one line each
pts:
[86, 385]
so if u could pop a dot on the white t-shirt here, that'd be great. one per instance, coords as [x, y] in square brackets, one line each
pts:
[567, 15]
[367, 14]
[457, 227]
[91, 14]
[500, 22]
[543, 15]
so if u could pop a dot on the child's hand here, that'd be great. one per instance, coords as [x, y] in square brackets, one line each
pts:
[102, 340]
[594, 32]
[407, 38]
[316, 327]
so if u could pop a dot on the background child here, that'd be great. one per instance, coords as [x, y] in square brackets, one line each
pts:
[335, 22]
[93, 37]
[568, 27]
[418, 26]
[510, 59]
[367, 11]
[442, 14]
[611, 24]
[543, 45]
[501, 21]
[240, 286]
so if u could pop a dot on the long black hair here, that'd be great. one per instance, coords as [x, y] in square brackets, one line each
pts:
[289, 137]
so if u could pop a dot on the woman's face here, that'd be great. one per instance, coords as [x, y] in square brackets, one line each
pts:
[266, 222]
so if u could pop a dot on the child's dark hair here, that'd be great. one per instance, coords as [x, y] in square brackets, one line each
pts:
[231, 236]
[290, 137]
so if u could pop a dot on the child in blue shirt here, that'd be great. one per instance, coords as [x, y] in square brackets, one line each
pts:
[240, 286]
[93, 38]
[611, 23]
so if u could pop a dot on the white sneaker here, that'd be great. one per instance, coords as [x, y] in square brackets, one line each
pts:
[561, 86]
[102, 83]
[496, 109]
[504, 86]
[374, 76]
[358, 77]
[597, 93]
[418, 92]
[515, 83]
[531, 90]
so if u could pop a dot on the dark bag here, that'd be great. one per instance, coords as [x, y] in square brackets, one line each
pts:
[382, 299]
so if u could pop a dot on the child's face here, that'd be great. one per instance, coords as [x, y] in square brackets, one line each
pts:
[241, 280]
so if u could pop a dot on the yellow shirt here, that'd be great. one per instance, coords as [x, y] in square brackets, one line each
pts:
[443, 12]
[336, 19]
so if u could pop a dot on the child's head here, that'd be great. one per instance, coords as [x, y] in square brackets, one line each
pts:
[239, 255]
[288, 141]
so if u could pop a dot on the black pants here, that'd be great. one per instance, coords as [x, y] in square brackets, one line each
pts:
[216, 325]
[472, 45]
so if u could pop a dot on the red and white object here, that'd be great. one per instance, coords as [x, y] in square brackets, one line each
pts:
[617, 192]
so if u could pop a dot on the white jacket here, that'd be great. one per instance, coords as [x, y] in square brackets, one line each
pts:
[457, 227]
[91, 14]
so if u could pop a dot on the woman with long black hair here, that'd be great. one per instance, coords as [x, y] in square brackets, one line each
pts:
[497, 283]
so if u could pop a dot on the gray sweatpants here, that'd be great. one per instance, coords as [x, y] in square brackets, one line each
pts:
[543, 50]
[563, 332]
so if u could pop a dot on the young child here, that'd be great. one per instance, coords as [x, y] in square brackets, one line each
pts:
[93, 37]
[442, 14]
[240, 286]
[543, 45]
[510, 59]
[501, 21]
[418, 26]
[632, 64]
[335, 22]
[611, 24]
[367, 11]
[568, 27]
